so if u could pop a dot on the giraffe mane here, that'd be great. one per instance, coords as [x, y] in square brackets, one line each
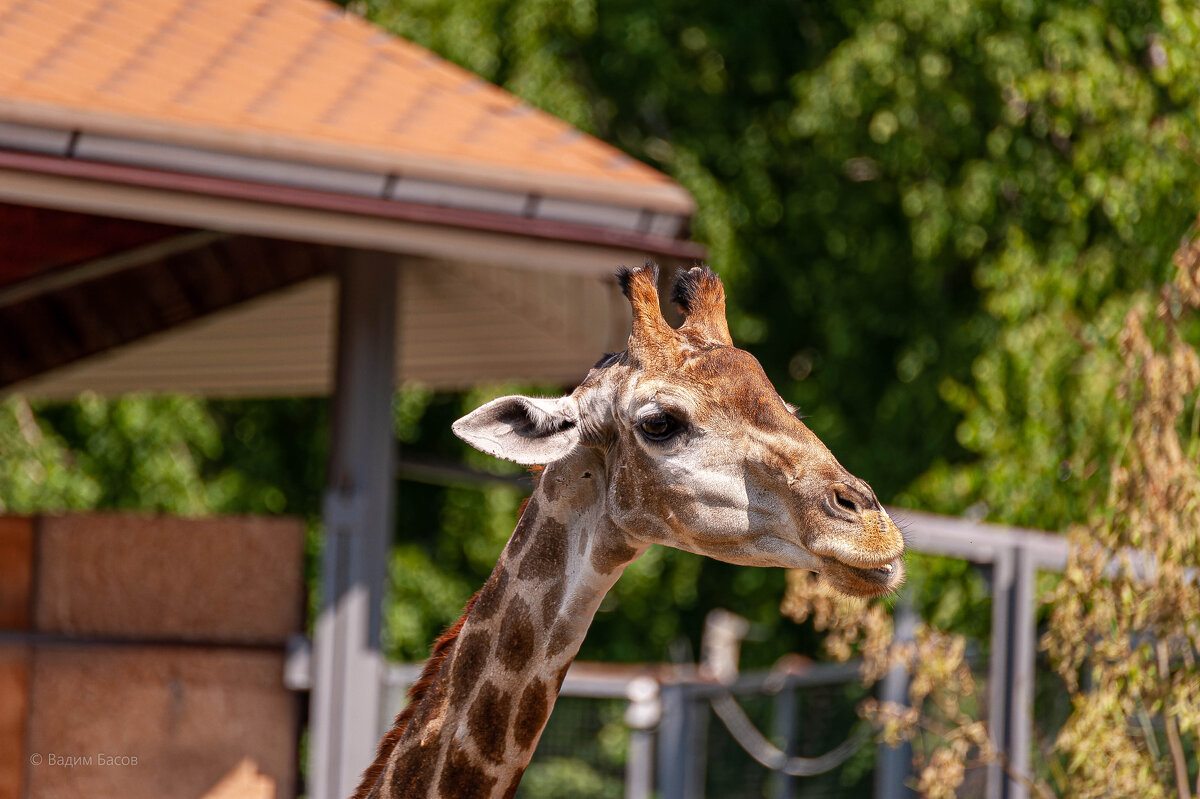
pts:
[437, 657]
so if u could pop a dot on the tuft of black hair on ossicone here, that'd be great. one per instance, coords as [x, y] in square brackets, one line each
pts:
[688, 284]
[625, 274]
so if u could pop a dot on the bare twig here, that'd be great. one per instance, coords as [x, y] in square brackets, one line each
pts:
[1178, 759]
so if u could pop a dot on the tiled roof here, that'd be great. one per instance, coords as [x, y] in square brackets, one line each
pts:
[296, 80]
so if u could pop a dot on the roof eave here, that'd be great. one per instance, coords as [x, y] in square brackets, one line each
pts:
[662, 194]
[240, 206]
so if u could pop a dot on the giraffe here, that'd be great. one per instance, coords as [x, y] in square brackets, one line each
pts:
[680, 440]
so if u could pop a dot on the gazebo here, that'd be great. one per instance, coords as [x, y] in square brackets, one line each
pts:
[277, 198]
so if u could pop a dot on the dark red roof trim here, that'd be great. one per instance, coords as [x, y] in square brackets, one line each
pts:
[342, 203]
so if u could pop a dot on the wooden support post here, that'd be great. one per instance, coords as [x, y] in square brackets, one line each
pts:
[348, 665]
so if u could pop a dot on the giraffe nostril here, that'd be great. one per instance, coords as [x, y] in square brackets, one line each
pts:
[844, 502]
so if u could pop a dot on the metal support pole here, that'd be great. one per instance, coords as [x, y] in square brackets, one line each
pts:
[639, 770]
[893, 765]
[1002, 580]
[642, 715]
[682, 742]
[1011, 669]
[357, 515]
[1021, 668]
[783, 785]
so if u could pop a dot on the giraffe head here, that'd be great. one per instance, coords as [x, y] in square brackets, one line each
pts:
[699, 450]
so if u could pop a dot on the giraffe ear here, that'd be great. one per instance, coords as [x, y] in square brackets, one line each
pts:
[527, 430]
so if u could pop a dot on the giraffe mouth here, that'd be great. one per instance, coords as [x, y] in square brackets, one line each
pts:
[864, 581]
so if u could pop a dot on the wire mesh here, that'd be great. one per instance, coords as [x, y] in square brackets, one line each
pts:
[582, 752]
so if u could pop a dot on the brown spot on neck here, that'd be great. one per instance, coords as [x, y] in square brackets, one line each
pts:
[562, 675]
[562, 636]
[546, 558]
[531, 714]
[610, 551]
[552, 600]
[470, 657]
[491, 597]
[462, 779]
[487, 722]
[517, 636]
[413, 775]
[525, 525]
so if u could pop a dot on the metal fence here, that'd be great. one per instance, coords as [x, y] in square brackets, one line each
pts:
[643, 731]
[662, 731]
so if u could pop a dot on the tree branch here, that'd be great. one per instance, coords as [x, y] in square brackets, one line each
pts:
[1178, 759]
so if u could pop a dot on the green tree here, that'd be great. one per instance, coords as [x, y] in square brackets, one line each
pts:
[932, 214]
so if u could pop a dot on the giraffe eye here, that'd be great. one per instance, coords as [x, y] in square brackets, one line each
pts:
[660, 426]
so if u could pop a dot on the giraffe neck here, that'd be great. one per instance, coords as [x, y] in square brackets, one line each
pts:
[473, 731]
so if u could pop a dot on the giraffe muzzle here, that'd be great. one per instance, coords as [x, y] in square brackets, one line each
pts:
[862, 581]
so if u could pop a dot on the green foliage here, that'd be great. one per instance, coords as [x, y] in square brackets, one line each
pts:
[135, 453]
[180, 455]
[37, 468]
[567, 778]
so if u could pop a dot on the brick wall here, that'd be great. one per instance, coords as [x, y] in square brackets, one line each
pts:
[142, 656]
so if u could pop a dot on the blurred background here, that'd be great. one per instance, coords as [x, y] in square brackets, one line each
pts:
[932, 218]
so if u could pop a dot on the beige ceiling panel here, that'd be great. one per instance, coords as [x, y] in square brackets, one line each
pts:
[460, 324]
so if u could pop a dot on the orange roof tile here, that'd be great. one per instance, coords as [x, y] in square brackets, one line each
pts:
[297, 80]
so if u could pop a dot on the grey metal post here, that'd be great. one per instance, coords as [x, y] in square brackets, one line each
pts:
[639, 768]
[1002, 585]
[893, 765]
[357, 515]
[642, 715]
[784, 785]
[1012, 666]
[681, 744]
[1021, 669]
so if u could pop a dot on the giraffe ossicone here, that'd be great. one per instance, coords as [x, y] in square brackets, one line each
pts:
[681, 440]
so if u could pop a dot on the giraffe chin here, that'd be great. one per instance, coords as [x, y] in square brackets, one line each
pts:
[862, 582]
